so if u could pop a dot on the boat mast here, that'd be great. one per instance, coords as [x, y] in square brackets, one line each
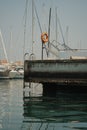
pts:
[10, 52]
[56, 25]
[49, 33]
[3, 45]
[40, 28]
[25, 26]
[67, 29]
[61, 30]
[32, 25]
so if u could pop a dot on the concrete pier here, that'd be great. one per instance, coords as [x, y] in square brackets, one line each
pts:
[62, 72]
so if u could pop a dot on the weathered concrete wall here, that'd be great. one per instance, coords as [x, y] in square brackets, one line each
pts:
[60, 71]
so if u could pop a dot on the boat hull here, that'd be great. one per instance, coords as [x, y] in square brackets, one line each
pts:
[13, 74]
[4, 74]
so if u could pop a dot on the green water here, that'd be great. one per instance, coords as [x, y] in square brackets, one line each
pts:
[29, 110]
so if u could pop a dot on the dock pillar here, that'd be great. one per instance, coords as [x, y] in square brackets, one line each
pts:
[49, 89]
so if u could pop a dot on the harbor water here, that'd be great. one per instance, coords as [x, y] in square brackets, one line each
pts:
[28, 109]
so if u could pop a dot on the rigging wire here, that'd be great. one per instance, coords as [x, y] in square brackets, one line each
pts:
[3, 45]
[38, 18]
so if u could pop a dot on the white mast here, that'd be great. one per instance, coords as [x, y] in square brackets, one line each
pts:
[25, 26]
[32, 25]
[3, 45]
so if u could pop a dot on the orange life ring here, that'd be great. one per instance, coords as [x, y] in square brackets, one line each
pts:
[44, 37]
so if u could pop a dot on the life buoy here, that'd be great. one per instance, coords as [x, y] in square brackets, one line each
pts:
[44, 37]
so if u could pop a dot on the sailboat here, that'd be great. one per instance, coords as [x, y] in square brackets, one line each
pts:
[17, 71]
[16, 68]
[66, 71]
[4, 65]
[4, 71]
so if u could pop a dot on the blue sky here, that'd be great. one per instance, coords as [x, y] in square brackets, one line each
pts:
[72, 13]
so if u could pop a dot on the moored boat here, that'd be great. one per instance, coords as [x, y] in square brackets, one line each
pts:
[4, 72]
[62, 71]
[16, 73]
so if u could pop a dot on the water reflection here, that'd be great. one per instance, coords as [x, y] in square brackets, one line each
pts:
[66, 111]
[4, 94]
[11, 104]
[29, 109]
